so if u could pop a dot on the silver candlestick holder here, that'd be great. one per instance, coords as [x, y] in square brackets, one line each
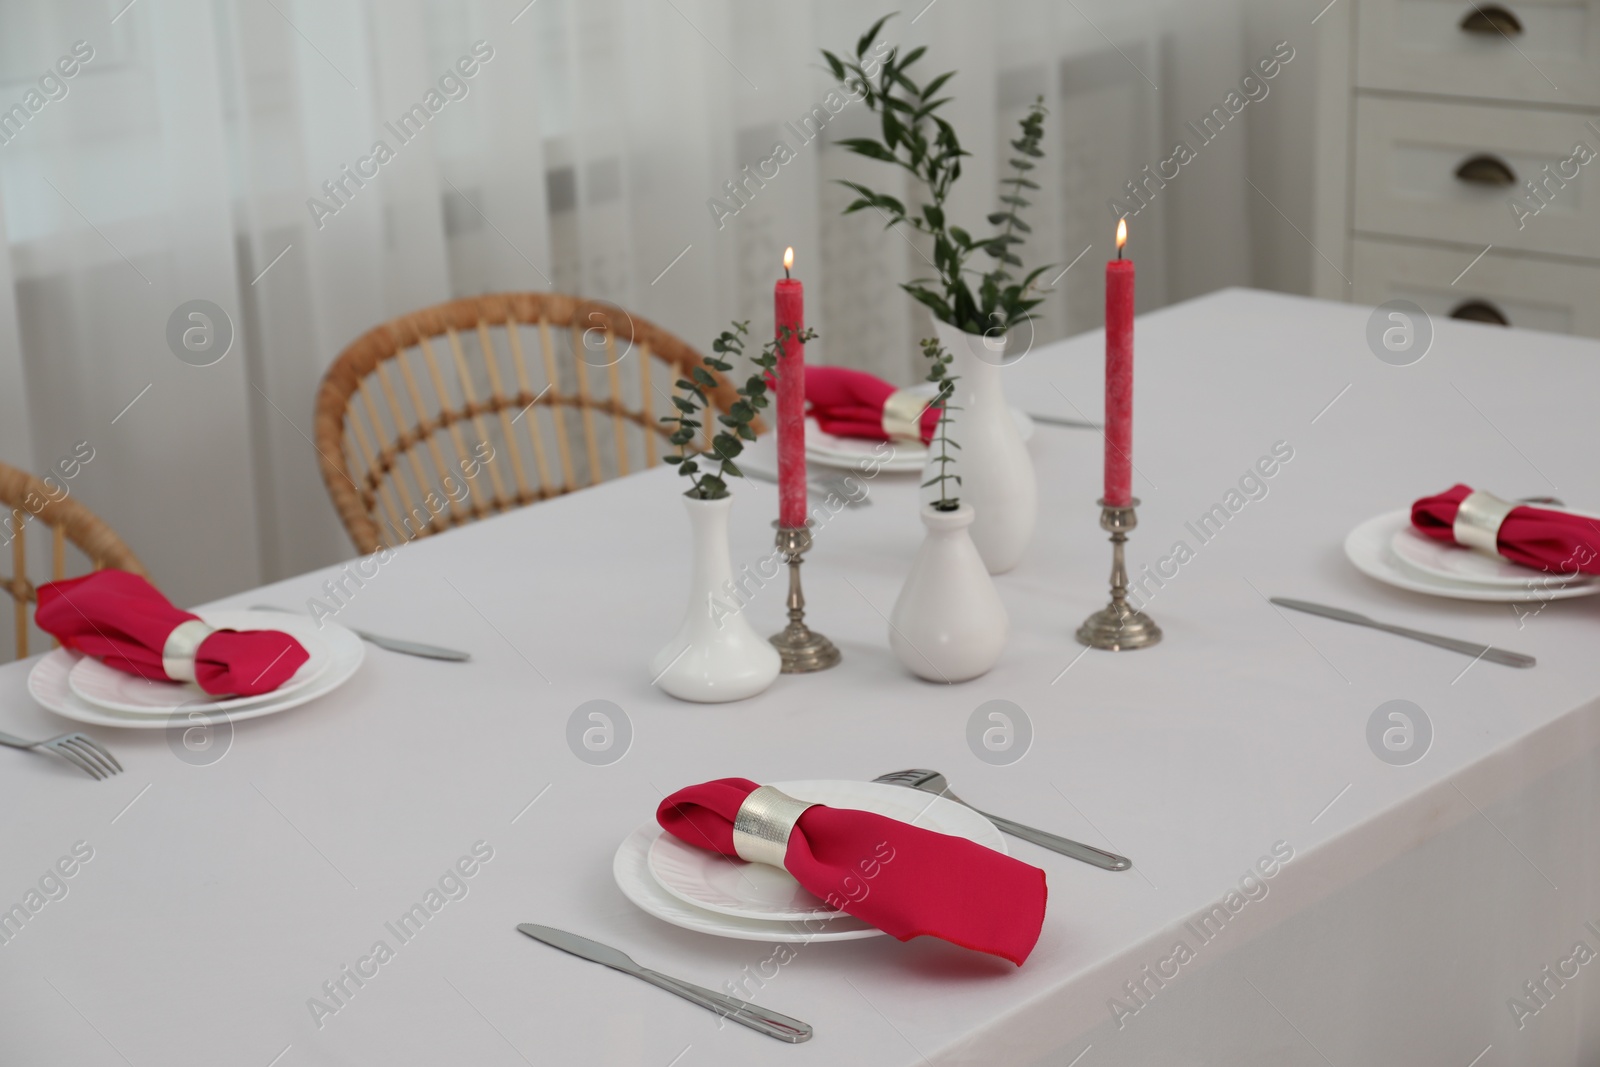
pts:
[802, 648]
[1117, 626]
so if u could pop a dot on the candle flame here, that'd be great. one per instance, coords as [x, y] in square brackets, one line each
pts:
[1122, 233]
[788, 258]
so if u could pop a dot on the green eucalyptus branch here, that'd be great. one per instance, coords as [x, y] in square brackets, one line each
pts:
[939, 373]
[919, 141]
[707, 483]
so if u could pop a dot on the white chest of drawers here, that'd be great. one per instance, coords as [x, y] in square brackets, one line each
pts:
[1458, 158]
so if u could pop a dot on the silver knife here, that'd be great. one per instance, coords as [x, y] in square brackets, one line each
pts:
[1466, 648]
[1062, 420]
[393, 644]
[756, 1018]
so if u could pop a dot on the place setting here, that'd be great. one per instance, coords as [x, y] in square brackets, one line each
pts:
[1471, 545]
[813, 862]
[1468, 544]
[128, 659]
[851, 413]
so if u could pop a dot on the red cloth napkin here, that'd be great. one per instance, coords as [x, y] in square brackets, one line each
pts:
[121, 620]
[1556, 541]
[903, 879]
[849, 403]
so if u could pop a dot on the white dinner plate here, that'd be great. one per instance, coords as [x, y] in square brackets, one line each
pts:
[730, 886]
[848, 453]
[106, 687]
[47, 683]
[858, 453]
[1370, 547]
[631, 868]
[1453, 563]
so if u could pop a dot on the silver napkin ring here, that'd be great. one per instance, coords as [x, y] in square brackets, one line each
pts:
[762, 827]
[902, 415]
[1478, 520]
[183, 644]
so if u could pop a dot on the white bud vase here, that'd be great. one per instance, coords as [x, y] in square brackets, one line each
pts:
[716, 655]
[996, 470]
[948, 624]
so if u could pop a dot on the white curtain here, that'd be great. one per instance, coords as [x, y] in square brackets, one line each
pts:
[186, 161]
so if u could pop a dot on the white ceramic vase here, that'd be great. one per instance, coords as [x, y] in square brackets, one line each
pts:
[948, 624]
[716, 655]
[996, 471]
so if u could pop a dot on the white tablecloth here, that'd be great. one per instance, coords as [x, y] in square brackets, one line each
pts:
[1418, 900]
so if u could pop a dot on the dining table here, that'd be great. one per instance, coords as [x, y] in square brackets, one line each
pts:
[1334, 904]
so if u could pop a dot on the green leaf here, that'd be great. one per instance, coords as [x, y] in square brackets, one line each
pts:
[933, 86]
[834, 64]
[870, 36]
[866, 146]
[704, 378]
[932, 301]
[894, 206]
[727, 445]
[891, 128]
[683, 405]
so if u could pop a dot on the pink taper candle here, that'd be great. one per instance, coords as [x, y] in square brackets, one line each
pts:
[788, 299]
[1119, 376]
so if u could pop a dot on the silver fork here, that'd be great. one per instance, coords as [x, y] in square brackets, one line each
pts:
[933, 782]
[79, 749]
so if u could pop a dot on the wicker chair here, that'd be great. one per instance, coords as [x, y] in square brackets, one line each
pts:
[31, 500]
[410, 447]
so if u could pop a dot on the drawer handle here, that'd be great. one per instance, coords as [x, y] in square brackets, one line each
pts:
[1491, 19]
[1486, 170]
[1480, 311]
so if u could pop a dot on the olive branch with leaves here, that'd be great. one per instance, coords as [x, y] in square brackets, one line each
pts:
[917, 139]
[708, 483]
